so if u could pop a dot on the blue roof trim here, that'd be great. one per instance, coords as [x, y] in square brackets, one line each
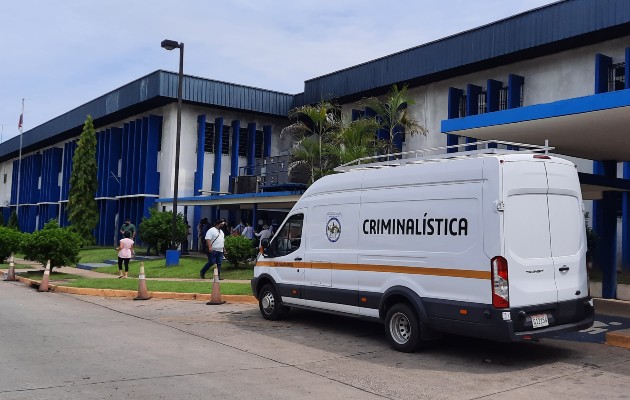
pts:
[261, 196]
[143, 94]
[561, 25]
[579, 105]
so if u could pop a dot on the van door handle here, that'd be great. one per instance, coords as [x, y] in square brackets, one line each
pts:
[300, 259]
[564, 268]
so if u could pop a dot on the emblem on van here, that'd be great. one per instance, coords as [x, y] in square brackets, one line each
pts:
[333, 229]
[534, 271]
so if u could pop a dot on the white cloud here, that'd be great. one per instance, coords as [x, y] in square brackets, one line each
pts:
[60, 55]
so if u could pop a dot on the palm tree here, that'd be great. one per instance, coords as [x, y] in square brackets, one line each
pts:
[355, 140]
[314, 125]
[393, 113]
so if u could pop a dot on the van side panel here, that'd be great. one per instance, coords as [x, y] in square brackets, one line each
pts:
[492, 218]
[424, 237]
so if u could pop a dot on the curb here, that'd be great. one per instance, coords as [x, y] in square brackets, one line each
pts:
[229, 298]
[619, 338]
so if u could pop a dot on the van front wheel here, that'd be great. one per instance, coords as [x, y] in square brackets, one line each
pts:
[402, 328]
[270, 303]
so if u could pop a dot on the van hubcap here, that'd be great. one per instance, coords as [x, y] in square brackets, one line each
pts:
[400, 328]
[268, 302]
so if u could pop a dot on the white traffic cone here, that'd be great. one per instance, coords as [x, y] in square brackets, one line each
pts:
[43, 286]
[143, 294]
[11, 272]
[215, 297]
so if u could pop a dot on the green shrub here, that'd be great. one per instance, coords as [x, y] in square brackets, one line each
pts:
[10, 240]
[237, 249]
[59, 245]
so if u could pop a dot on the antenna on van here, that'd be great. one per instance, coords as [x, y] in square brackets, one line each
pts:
[486, 148]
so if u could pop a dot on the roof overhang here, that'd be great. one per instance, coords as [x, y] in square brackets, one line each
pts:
[594, 127]
[274, 200]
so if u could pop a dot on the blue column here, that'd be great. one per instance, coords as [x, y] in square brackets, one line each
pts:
[218, 146]
[625, 212]
[236, 129]
[602, 65]
[492, 98]
[605, 226]
[515, 82]
[251, 147]
[266, 141]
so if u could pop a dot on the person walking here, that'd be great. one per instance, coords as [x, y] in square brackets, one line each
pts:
[264, 234]
[125, 250]
[131, 228]
[248, 231]
[215, 240]
[202, 229]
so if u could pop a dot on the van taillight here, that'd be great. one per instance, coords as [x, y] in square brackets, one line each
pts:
[500, 288]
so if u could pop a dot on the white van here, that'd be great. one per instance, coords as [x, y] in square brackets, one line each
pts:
[489, 244]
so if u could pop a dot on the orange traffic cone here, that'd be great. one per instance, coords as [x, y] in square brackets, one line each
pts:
[11, 272]
[143, 294]
[215, 298]
[43, 286]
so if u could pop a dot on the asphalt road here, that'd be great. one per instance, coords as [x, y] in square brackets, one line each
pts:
[56, 346]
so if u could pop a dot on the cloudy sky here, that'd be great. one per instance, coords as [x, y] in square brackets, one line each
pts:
[58, 55]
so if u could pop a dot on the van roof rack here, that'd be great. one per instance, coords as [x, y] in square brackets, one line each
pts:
[435, 154]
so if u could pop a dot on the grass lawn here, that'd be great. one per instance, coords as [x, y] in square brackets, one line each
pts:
[54, 276]
[99, 254]
[188, 268]
[622, 277]
[162, 286]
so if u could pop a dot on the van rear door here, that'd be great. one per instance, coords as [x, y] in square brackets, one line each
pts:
[526, 233]
[566, 221]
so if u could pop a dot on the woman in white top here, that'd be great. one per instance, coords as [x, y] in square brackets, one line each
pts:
[125, 249]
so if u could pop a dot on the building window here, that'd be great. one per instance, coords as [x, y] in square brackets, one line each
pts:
[225, 142]
[243, 142]
[208, 146]
[258, 153]
[503, 98]
[617, 77]
[481, 102]
[521, 96]
[462, 106]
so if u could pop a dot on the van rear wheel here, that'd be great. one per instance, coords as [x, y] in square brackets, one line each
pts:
[270, 304]
[402, 328]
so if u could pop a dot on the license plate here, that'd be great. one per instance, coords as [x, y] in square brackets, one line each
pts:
[539, 320]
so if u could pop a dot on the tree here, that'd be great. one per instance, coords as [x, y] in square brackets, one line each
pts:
[59, 245]
[13, 221]
[393, 114]
[156, 231]
[313, 127]
[82, 207]
[10, 241]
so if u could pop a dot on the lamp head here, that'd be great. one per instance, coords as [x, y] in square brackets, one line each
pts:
[169, 44]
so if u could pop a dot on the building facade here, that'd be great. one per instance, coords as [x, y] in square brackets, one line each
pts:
[559, 74]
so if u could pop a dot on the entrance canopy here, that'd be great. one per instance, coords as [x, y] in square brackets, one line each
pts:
[594, 127]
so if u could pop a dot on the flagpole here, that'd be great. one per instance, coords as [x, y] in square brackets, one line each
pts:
[21, 128]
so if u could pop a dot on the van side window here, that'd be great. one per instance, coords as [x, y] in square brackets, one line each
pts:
[289, 237]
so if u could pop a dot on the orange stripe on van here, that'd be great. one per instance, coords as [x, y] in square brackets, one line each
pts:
[398, 269]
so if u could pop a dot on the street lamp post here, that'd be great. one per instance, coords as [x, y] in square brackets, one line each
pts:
[170, 45]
